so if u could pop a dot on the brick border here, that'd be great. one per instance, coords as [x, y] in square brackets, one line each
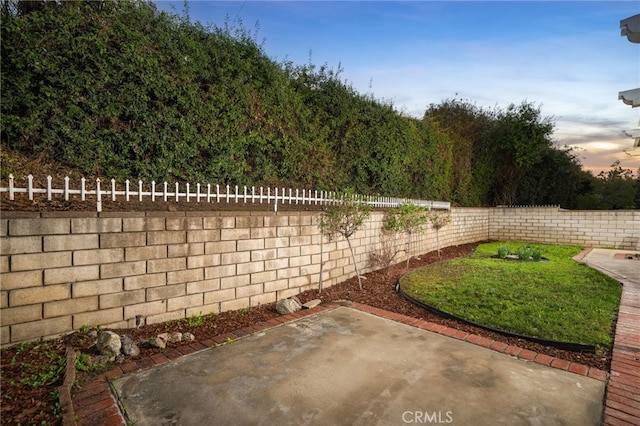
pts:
[622, 394]
[516, 351]
[95, 403]
[622, 398]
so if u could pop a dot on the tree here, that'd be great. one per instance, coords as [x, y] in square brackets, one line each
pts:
[438, 221]
[523, 137]
[611, 190]
[407, 218]
[344, 219]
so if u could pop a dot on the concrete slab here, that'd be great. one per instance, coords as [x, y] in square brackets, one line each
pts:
[345, 366]
[615, 263]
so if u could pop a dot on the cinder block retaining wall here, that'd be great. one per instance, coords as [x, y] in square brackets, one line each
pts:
[62, 271]
[589, 228]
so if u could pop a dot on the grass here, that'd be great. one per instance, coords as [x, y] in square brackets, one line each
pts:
[558, 300]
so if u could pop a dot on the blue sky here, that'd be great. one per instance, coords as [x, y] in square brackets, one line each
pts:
[565, 56]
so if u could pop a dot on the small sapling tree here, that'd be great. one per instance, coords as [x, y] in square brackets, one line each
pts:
[389, 249]
[344, 219]
[408, 218]
[438, 220]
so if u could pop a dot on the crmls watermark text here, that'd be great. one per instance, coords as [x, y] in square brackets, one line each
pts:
[434, 417]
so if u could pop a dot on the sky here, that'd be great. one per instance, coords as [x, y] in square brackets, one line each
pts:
[566, 57]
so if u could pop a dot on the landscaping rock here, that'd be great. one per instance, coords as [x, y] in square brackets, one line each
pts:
[175, 337]
[129, 347]
[288, 306]
[311, 304]
[109, 344]
[188, 337]
[158, 342]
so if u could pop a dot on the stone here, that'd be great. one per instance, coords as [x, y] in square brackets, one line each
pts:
[288, 306]
[109, 344]
[129, 347]
[158, 342]
[188, 337]
[175, 337]
[146, 344]
[93, 334]
[311, 304]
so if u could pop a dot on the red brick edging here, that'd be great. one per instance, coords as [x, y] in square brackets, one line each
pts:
[502, 347]
[95, 404]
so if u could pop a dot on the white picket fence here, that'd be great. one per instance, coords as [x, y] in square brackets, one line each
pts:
[205, 193]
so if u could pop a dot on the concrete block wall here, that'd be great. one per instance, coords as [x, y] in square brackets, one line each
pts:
[62, 271]
[589, 228]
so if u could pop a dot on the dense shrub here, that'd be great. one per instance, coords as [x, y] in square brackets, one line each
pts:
[118, 89]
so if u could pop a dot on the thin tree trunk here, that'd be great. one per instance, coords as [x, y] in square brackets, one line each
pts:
[355, 264]
[408, 250]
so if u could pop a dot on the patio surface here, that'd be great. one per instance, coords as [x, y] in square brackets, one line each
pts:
[345, 366]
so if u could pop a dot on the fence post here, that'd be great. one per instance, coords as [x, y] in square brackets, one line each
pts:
[113, 189]
[275, 204]
[98, 196]
[30, 185]
[49, 178]
[153, 190]
[166, 187]
[66, 188]
[197, 193]
[126, 190]
[187, 192]
[11, 187]
[140, 190]
[177, 191]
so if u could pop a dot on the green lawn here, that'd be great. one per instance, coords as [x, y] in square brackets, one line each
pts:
[558, 300]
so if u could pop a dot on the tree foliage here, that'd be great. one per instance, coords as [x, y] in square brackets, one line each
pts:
[508, 155]
[407, 218]
[343, 219]
[118, 89]
[612, 190]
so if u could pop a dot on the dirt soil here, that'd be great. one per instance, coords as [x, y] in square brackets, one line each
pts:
[29, 387]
